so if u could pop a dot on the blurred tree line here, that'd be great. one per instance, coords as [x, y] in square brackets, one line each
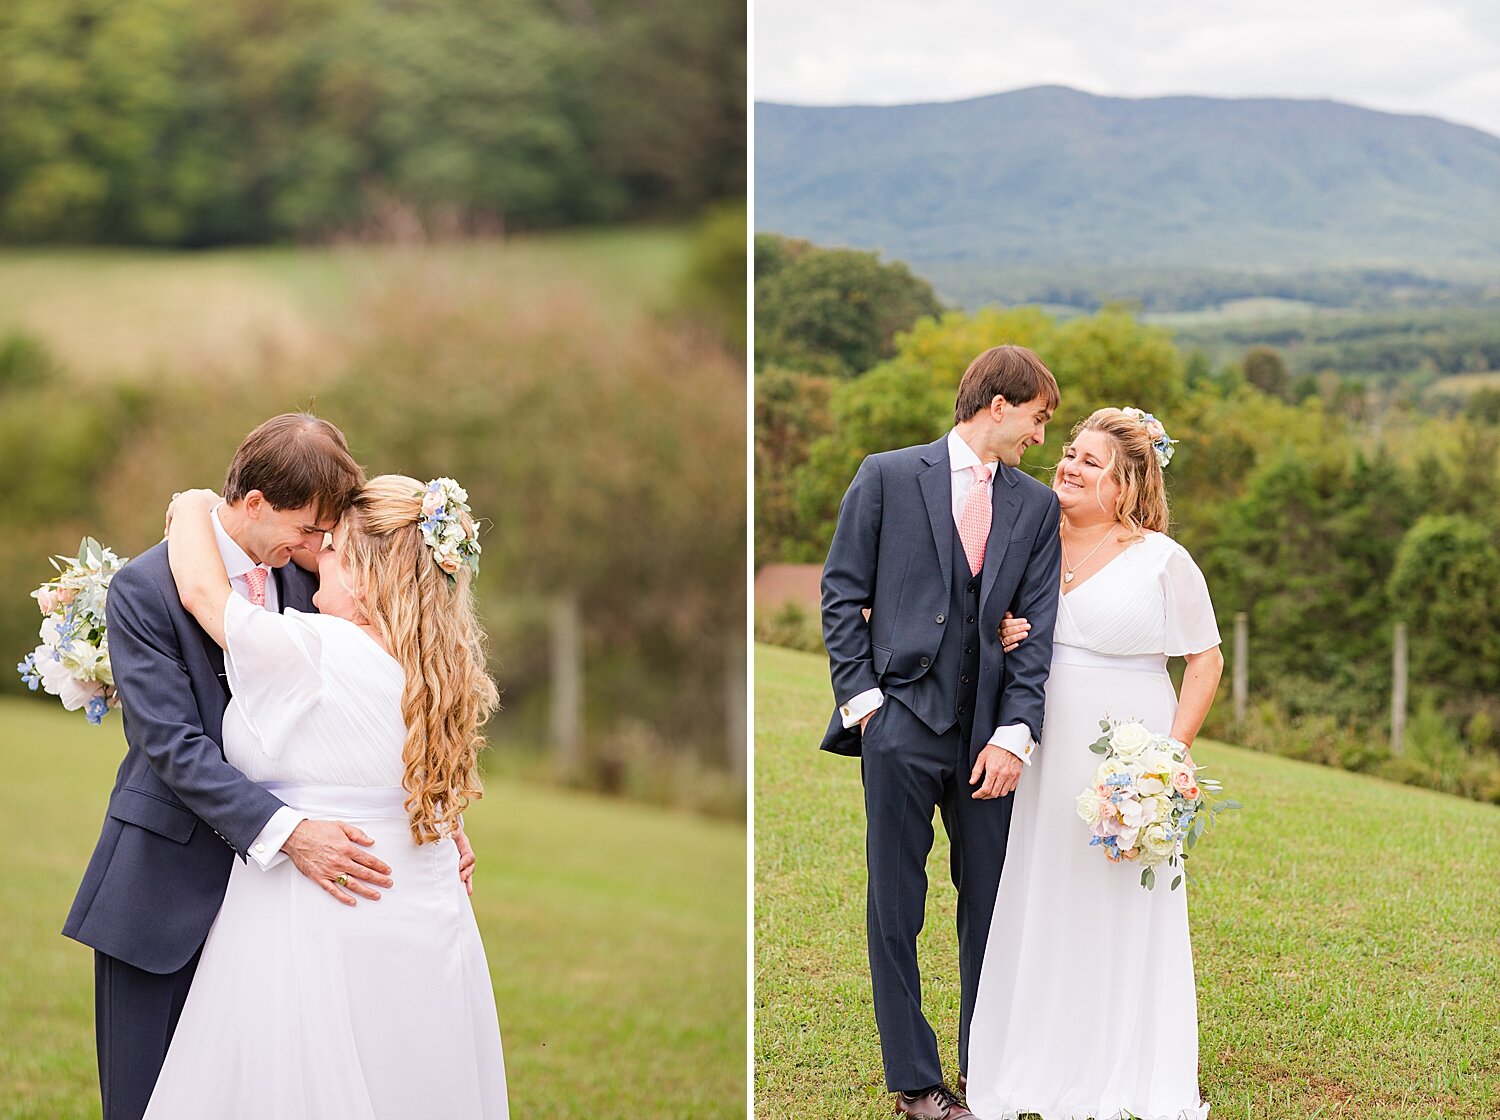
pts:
[604, 453]
[1324, 523]
[174, 123]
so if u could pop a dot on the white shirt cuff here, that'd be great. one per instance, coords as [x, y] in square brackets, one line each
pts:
[1016, 738]
[862, 705]
[266, 848]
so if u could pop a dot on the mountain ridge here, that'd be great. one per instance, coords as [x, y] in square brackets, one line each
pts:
[1054, 175]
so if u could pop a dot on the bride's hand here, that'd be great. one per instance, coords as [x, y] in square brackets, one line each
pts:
[189, 499]
[1013, 632]
[465, 858]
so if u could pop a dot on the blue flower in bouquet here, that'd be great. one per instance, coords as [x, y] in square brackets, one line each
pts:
[72, 661]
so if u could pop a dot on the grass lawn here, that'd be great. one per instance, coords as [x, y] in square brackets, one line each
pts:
[1347, 939]
[209, 309]
[615, 933]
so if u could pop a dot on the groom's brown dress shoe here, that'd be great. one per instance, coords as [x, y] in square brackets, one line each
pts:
[937, 1103]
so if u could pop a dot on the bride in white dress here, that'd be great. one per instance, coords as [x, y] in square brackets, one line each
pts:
[1086, 1007]
[300, 1007]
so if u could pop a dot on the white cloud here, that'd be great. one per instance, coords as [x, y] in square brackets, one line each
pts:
[1440, 57]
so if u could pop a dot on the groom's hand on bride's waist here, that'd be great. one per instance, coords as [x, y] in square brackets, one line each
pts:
[996, 773]
[332, 855]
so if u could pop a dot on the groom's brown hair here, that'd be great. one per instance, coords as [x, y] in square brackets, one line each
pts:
[296, 459]
[1012, 372]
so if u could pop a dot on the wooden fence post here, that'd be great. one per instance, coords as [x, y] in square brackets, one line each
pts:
[566, 722]
[1398, 691]
[1241, 667]
[736, 720]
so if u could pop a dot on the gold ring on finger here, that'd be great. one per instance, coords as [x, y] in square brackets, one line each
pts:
[341, 880]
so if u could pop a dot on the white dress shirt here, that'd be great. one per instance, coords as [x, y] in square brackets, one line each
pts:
[265, 850]
[1015, 737]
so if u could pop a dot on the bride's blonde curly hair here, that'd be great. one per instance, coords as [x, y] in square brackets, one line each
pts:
[1142, 504]
[430, 627]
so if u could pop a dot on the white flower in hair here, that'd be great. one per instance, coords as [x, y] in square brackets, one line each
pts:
[1157, 433]
[454, 544]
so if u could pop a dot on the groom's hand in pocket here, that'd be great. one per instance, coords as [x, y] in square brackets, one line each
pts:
[330, 851]
[996, 773]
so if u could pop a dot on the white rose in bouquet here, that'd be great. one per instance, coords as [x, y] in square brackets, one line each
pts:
[1089, 807]
[1131, 740]
[1157, 841]
[1158, 759]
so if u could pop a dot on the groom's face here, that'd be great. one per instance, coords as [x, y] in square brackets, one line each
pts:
[1017, 427]
[276, 533]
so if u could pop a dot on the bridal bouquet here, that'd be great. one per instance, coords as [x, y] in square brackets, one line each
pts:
[72, 663]
[1146, 804]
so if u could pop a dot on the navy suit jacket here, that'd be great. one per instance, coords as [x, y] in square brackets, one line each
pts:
[892, 554]
[178, 812]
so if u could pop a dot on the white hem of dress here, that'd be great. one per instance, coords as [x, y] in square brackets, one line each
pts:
[1199, 1113]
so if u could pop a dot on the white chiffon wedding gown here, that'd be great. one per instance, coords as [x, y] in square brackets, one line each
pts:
[302, 1007]
[1086, 1007]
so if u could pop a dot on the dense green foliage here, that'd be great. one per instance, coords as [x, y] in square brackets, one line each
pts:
[615, 935]
[167, 122]
[1343, 936]
[1324, 524]
[1051, 176]
[1411, 347]
[600, 434]
[833, 309]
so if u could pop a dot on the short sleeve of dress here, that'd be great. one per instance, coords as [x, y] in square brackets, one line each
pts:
[274, 665]
[1191, 627]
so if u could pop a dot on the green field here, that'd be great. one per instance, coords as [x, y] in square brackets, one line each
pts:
[615, 934]
[134, 312]
[1346, 940]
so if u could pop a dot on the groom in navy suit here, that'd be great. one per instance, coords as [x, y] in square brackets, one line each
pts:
[937, 543]
[179, 813]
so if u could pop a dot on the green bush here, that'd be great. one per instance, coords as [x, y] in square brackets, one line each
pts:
[790, 626]
[713, 290]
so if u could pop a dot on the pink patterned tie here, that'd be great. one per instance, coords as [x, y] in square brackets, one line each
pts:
[974, 525]
[256, 578]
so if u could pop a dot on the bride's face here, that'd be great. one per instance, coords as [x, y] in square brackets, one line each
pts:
[1085, 486]
[334, 595]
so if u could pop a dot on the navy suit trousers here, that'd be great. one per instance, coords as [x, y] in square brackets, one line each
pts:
[131, 1059]
[909, 771]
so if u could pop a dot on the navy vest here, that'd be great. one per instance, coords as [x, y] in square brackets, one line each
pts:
[958, 656]
[944, 695]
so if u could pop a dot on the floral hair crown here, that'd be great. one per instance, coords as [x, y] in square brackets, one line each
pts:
[454, 545]
[1159, 438]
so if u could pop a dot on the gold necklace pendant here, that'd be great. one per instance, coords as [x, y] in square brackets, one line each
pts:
[1067, 577]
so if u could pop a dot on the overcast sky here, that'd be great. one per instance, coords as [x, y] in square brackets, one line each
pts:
[1439, 57]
